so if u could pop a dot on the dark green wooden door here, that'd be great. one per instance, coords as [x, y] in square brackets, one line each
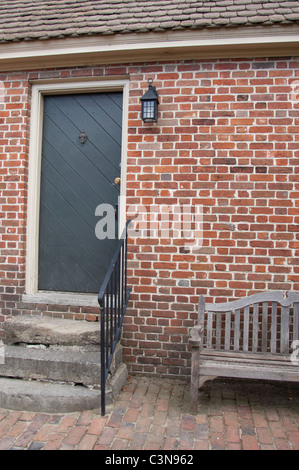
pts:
[75, 179]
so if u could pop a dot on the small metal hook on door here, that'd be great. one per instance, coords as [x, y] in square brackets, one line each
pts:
[82, 138]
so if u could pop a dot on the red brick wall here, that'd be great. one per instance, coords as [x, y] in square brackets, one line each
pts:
[14, 138]
[226, 139]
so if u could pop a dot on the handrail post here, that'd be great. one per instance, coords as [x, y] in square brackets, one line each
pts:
[112, 313]
[103, 361]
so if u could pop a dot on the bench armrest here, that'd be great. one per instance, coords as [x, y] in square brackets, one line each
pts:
[195, 338]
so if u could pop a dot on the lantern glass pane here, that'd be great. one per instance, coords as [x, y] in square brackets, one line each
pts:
[148, 109]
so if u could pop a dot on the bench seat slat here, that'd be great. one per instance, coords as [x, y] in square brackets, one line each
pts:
[248, 356]
[249, 370]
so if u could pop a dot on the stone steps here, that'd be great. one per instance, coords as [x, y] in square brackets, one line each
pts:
[24, 395]
[51, 331]
[54, 365]
[45, 356]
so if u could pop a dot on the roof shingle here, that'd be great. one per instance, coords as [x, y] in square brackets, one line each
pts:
[46, 19]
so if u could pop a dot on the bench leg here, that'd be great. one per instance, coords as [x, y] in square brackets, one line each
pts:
[194, 380]
[194, 398]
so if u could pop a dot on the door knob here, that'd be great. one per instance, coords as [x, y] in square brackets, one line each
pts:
[117, 180]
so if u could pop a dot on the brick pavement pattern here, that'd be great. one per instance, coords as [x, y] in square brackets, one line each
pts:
[152, 414]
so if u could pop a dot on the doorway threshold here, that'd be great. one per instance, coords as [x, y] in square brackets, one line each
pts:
[62, 298]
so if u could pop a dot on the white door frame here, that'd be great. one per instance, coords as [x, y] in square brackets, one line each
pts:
[39, 90]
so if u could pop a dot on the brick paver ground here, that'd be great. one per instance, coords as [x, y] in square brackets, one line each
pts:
[153, 414]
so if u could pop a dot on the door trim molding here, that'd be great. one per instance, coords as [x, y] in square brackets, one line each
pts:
[39, 90]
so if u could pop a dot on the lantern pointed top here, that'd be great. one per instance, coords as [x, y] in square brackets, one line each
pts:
[151, 93]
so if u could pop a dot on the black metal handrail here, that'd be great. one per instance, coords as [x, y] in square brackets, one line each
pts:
[113, 300]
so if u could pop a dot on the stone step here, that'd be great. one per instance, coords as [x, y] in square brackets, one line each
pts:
[55, 397]
[49, 364]
[53, 366]
[64, 364]
[49, 331]
[16, 394]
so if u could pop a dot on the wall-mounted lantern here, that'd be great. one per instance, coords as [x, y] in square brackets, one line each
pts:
[149, 104]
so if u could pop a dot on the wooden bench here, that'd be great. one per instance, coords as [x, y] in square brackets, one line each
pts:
[254, 337]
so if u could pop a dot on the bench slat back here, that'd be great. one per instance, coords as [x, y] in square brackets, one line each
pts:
[266, 323]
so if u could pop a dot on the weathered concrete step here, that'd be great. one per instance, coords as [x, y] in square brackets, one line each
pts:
[49, 364]
[16, 394]
[61, 365]
[47, 397]
[47, 330]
